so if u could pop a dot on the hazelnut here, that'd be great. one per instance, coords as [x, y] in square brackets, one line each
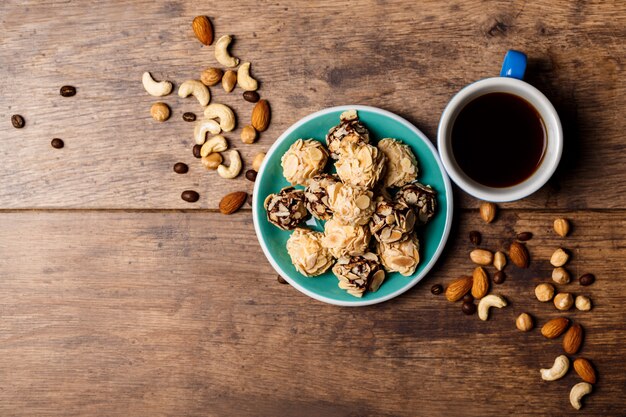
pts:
[212, 160]
[160, 111]
[248, 134]
[524, 322]
[544, 292]
[561, 227]
[563, 301]
[583, 303]
[211, 76]
[560, 275]
[257, 161]
[559, 258]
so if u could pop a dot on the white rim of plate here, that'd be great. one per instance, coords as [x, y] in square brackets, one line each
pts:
[414, 280]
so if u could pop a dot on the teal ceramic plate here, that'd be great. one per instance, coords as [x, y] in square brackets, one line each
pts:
[381, 124]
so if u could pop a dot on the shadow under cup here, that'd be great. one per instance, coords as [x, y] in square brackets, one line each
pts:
[479, 181]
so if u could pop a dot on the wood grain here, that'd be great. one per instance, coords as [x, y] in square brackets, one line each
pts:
[409, 58]
[169, 313]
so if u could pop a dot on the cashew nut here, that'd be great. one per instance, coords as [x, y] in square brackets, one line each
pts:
[244, 80]
[197, 89]
[154, 88]
[204, 126]
[222, 112]
[215, 144]
[221, 52]
[233, 169]
[578, 392]
[488, 301]
[558, 370]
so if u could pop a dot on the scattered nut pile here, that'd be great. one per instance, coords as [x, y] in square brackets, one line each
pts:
[217, 118]
[468, 288]
[373, 194]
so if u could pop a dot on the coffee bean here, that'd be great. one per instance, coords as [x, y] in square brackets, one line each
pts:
[68, 91]
[499, 277]
[587, 279]
[468, 308]
[57, 143]
[468, 298]
[190, 196]
[436, 289]
[251, 96]
[475, 237]
[196, 151]
[180, 168]
[17, 121]
[249, 199]
[189, 116]
[524, 236]
[251, 175]
[281, 280]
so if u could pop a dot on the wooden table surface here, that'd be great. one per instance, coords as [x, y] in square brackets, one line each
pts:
[117, 298]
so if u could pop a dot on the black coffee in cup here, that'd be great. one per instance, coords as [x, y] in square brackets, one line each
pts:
[498, 139]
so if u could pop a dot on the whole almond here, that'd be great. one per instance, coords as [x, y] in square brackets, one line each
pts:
[229, 80]
[261, 115]
[559, 258]
[499, 261]
[573, 339]
[481, 257]
[480, 283]
[458, 288]
[555, 327]
[584, 369]
[561, 227]
[487, 211]
[233, 202]
[203, 29]
[519, 255]
[211, 76]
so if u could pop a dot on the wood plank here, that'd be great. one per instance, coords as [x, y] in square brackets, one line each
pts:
[408, 58]
[169, 313]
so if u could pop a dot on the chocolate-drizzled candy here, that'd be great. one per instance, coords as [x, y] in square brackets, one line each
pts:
[316, 195]
[391, 221]
[357, 274]
[349, 130]
[422, 198]
[286, 209]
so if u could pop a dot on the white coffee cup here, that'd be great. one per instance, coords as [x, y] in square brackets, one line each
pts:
[510, 81]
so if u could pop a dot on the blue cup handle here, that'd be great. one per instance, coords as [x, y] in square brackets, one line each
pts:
[514, 65]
